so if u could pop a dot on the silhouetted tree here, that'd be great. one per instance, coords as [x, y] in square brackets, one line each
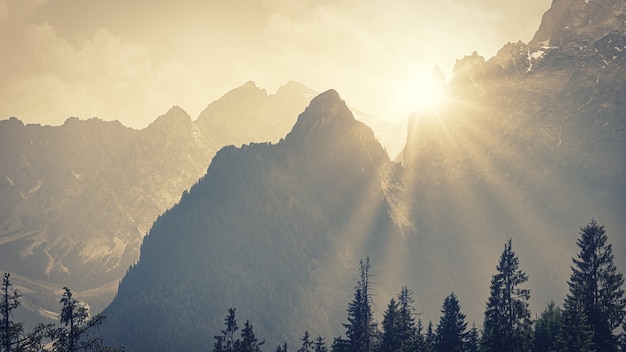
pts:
[75, 332]
[547, 329]
[391, 340]
[409, 336]
[595, 286]
[451, 333]
[281, 348]
[576, 334]
[430, 337]
[473, 339]
[320, 344]
[361, 330]
[226, 341]
[12, 335]
[248, 341]
[307, 344]
[507, 325]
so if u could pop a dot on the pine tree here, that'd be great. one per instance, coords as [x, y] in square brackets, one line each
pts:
[75, 333]
[595, 286]
[430, 337]
[391, 341]
[307, 344]
[507, 325]
[473, 339]
[320, 344]
[547, 329]
[409, 336]
[451, 335]
[248, 341]
[226, 341]
[576, 334]
[361, 330]
[10, 333]
[281, 348]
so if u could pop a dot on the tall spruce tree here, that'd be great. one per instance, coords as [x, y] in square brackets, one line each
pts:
[451, 334]
[361, 330]
[595, 287]
[507, 325]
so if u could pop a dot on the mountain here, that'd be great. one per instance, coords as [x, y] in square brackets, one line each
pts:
[528, 146]
[77, 199]
[269, 229]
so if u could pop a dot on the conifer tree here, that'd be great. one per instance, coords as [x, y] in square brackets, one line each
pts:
[547, 329]
[12, 335]
[391, 340]
[75, 332]
[595, 286]
[576, 334]
[320, 344]
[248, 341]
[430, 337]
[473, 339]
[361, 330]
[507, 325]
[451, 335]
[307, 344]
[281, 348]
[409, 335]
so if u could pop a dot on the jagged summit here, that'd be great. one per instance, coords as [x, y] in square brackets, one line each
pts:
[174, 116]
[570, 21]
[326, 111]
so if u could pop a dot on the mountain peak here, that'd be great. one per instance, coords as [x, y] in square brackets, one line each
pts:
[327, 111]
[293, 88]
[173, 115]
[579, 20]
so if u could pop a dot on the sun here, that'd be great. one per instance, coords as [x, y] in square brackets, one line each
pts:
[425, 91]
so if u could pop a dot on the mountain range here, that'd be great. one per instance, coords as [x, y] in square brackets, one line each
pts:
[77, 199]
[528, 146]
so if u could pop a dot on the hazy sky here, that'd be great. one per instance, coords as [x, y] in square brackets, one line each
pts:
[133, 60]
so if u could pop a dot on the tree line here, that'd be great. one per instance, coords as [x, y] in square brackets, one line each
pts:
[588, 320]
[74, 334]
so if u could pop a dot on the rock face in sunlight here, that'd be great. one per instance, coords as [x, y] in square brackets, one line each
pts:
[529, 147]
[78, 198]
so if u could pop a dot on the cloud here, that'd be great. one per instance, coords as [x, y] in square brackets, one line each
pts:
[118, 60]
[101, 76]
